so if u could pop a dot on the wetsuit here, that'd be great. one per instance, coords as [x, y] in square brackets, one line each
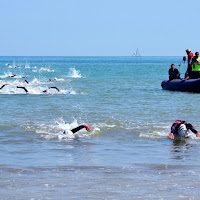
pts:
[26, 81]
[74, 130]
[3, 86]
[177, 123]
[54, 88]
[45, 91]
[23, 88]
[50, 88]
[12, 76]
[77, 128]
[174, 74]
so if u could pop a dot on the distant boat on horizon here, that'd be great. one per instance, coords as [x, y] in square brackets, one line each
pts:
[136, 53]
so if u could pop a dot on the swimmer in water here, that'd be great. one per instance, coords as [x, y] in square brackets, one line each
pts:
[23, 89]
[11, 76]
[54, 88]
[74, 130]
[50, 88]
[25, 81]
[181, 128]
[49, 80]
[3, 86]
[45, 91]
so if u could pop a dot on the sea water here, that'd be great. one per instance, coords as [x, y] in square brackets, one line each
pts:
[127, 155]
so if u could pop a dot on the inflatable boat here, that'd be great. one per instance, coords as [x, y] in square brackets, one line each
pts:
[191, 85]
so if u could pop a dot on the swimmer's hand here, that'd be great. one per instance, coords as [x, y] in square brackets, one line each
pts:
[171, 136]
[88, 128]
[198, 134]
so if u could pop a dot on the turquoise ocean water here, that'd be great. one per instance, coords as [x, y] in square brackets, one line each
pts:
[128, 154]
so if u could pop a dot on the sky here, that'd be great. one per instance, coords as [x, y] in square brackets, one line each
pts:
[98, 27]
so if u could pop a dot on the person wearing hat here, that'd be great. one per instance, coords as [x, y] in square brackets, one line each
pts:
[180, 128]
[189, 67]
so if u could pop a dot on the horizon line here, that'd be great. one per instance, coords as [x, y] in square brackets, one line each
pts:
[89, 56]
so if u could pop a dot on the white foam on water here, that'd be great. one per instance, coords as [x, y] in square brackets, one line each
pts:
[68, 136]
[27, 66]
[34, 87]
[11, 66]
[55, 80]
[58, 79]
[161, 132]
[35, 81]
[63, 125]
[73, 73]
[155, 132]
[46, 69]
[68, 91]
[56, 129]
[6, 74]
[42, 69]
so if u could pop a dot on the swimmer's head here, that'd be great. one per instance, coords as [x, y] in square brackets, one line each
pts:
[182, 130]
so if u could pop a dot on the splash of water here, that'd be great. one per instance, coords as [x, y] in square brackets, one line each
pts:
[73, 73]
[55, 130]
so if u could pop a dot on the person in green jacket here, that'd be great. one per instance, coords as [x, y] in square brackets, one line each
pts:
[196, 66]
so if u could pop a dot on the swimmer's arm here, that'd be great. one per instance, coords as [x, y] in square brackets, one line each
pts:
[88, 128]
[23, 88]
[45, 91]
[189, 126]
[25, 81]
[3, 86]
[173, 127]
[55, 88]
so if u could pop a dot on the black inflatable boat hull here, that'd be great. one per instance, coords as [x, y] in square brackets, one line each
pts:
[191, 85]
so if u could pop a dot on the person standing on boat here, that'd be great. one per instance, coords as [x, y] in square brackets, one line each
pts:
[181, 128]
[189, 67]
[174, 73]
[195, 66]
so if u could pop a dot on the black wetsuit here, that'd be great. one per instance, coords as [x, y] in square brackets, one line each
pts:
[26, 81]
[45, 91]
[23, 88]
[54, 88]
[2, 86]
[175, 126]
[77, 128]
[174, 74]
[12, 76]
